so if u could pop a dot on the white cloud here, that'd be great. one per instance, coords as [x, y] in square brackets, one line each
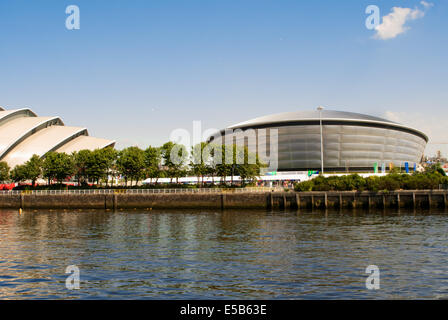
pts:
[433, 126]
[394, 23]
[426, 4]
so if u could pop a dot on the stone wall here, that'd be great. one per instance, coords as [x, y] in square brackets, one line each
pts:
[228, 200]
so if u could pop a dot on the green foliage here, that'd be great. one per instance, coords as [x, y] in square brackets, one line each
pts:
[30, 170]
[82, 161]
[18, 174]
[4, 171]
[237, 161]
[33, 168]
[304, 186]
[435, 168]
[394, 181]
[59, 166]
[99, 163]
[131, 163]
[174, 158]
[153, 159]
[199, 160]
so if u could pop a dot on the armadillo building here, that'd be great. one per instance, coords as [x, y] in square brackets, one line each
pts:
[23, 134]
[351, 141]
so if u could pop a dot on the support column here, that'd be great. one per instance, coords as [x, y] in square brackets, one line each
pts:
[298, 200]
[326, 200]
[444, 199]
[413, 199]
[223, 201]
[22, 201]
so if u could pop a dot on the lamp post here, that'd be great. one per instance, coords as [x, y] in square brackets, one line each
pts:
[320, 108]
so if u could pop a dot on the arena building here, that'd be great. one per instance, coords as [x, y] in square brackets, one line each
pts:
[23, 134]
[334, 140]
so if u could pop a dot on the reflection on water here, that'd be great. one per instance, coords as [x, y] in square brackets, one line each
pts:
[217, 255]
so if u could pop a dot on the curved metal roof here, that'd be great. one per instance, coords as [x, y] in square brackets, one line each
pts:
[310, 115]
[23, 133]
[15, 131]
[43, 141]
[7, 115]
[85, 142]
[327, 115]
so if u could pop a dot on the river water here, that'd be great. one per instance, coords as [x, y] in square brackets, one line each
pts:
[223, 255]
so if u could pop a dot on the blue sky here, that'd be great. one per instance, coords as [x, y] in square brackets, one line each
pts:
[137, 70]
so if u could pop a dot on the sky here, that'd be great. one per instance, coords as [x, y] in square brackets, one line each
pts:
[135, 71]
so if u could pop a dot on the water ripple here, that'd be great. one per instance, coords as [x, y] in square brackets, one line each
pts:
[223, 255]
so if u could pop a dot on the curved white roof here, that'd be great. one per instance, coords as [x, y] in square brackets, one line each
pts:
[327, 115]
[16, 130]
[7, 115]
[310, 116]
[43, 141]
[85, 142]
[23, 134]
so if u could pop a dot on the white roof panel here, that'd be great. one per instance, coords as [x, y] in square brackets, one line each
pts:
[85, 142]
[14, 131]
[42, 142]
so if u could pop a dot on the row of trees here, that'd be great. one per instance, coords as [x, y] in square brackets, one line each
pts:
[430, 179]
[134, 164]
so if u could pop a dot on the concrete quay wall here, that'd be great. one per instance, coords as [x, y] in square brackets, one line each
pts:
[227, 200]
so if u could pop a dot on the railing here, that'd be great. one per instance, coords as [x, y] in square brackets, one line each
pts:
[142, 191]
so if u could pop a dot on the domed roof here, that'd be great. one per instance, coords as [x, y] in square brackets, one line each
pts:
[291, 118]
[310, 116]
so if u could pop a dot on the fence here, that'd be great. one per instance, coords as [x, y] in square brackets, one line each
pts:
[142, 191]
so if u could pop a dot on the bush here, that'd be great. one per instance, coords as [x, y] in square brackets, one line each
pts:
[430, 179]
[304, 186]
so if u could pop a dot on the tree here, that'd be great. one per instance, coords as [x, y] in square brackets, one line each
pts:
[174, 158]
[33, 168]
[223, 169]
[131, 163]
[199, 161]
[110, 155]
[81, 160]
[58, 166]
[99, 163]
[153, 159]
[4, 171]
[248, 165]
[237, 160]
[18, 173]
[30, 170]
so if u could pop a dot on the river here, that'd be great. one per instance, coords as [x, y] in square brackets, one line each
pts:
[223, 255]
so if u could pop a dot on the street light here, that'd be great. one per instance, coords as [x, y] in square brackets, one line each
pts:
[320, 108]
